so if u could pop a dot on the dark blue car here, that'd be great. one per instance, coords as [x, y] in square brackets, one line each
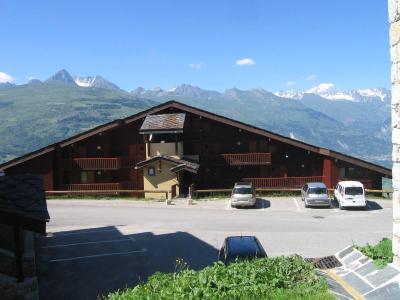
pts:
[240, 247]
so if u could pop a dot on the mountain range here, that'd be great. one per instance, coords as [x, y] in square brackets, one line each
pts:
[355, 122]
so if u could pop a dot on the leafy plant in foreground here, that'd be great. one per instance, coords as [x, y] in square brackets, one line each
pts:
[380, 253]
[264, 278]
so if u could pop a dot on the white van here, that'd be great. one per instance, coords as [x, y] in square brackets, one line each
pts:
[350, 194]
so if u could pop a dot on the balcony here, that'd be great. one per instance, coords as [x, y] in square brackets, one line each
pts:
[283, 182]
[110, 163]
[111, 186]
[239, 159]
[170, 149]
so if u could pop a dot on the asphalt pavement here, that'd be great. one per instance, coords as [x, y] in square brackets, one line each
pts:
[98, 246]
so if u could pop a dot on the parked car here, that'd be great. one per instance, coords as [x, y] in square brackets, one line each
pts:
[350, 194]
[240, 247]
[315, 194]
[243, 194]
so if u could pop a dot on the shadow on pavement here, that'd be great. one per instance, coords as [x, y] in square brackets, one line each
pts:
[83, 264]
[260, 204]
[371, 205]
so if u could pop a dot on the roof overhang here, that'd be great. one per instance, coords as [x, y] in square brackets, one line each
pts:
[23, 202]
[160, 131]
[163, 123]
[179, 164]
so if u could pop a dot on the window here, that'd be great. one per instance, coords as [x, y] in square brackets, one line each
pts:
[151, 171]
[84, 177]
[354, 190]
[317, 190]
[243, 191]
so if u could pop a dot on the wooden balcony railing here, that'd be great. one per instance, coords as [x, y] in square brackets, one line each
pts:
[109, 186]
[91, 187]
[109, 163]
[282, 182]
[240, 159]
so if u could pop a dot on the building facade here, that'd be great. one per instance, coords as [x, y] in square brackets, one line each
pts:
[173, 145]
[394, 19]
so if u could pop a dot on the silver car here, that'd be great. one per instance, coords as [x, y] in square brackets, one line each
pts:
[243, 194]
[315, 194]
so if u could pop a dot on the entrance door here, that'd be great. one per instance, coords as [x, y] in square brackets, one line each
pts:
[185, 180]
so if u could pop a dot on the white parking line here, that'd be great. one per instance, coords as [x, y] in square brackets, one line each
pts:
[98, 255]
[88, 243]
[297, 204]
[77, 233]
[228, 205]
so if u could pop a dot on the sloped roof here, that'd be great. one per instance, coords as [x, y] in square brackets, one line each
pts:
[23, 202]
[180, 164]
[190, 109]
[163, 123]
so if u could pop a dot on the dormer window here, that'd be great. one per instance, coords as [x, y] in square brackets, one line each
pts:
[151, 171]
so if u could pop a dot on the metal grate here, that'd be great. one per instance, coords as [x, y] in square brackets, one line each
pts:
[327, 262]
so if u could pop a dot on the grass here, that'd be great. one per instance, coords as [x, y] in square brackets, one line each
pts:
[381, 253]
[266, 278]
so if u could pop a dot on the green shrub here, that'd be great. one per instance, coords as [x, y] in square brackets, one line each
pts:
[265, 278]
[380, 253]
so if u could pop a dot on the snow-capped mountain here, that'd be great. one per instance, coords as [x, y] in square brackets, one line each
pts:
[180, 90]
[329, 91]
[64, 77]
[290, 94]
[95, 81]
[34, 81]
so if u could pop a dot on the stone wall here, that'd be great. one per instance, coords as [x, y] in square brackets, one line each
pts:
[10, 289]
[394, 20]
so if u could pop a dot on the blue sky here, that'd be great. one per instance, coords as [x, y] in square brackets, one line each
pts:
[292, 44]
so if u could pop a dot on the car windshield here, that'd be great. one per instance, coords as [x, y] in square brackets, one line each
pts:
[317, 190]
[244, 247]
[354, 190]
[242, 190]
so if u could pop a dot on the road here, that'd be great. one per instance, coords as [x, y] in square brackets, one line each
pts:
[99, 246]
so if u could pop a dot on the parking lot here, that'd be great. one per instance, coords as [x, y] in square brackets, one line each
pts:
[94, 247]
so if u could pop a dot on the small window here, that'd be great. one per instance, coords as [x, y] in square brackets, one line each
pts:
[84, 177]
[151, 171]
[354, 191]
[317, 191]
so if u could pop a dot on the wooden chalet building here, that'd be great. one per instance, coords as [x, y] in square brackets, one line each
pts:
[174, 145]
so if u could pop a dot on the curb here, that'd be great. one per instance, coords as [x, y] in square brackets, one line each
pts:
[359, 276]
[347, 287]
